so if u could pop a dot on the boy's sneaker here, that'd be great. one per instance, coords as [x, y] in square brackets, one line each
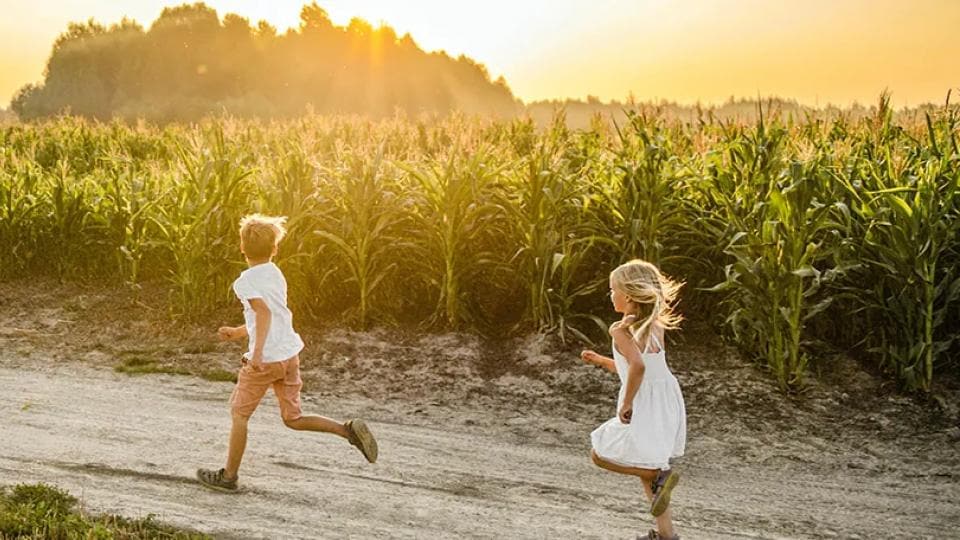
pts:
[654, 535]
[359, 435]
[666, 481]
[217, 480]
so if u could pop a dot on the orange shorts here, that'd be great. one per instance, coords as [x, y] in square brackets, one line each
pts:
[283, 376]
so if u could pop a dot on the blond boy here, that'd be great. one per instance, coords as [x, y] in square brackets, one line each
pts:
[273, 356]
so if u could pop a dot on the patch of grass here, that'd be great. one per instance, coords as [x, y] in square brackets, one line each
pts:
[55, 500]
[137, 365]
[200, 348]
[219, 375]
[137, 361]
[150, 352]
[42, 511]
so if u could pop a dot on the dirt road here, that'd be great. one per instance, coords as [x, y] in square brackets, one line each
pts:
[130, 445]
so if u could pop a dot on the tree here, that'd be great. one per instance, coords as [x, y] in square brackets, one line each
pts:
[191, 63]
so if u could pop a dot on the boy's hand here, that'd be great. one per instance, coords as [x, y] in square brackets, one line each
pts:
[590, 357]
[257, 362]
[229, 333]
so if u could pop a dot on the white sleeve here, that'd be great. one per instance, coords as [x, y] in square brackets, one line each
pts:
[245, 289]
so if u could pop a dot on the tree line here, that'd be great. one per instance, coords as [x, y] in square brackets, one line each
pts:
[191, 63]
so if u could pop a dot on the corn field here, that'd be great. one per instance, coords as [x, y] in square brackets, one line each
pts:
[793, 235]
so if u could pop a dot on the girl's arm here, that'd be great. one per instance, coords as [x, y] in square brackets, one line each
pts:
[592, 357]
[624, 342]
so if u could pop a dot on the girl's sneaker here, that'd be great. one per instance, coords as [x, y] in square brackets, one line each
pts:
[666, 481]
[217, 480]
[360, 436]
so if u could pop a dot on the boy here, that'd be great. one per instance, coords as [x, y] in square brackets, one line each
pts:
[273, 357]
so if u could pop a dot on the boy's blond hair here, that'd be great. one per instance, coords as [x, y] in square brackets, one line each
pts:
[260, 234]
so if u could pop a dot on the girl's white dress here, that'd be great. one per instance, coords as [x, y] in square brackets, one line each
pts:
[658, 428]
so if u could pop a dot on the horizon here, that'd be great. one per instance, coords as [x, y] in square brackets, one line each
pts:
[817, 55]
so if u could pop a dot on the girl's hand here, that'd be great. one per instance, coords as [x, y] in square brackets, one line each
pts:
[590, 357]
[626, 412]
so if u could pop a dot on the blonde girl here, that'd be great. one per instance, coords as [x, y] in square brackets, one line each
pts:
[650, 426]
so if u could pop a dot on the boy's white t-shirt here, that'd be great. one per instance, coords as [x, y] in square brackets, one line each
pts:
[266, 281]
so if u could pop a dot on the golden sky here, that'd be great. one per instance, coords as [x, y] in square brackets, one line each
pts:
[816, 51]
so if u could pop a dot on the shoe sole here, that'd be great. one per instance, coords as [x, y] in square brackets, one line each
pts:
[368, 445]
[662, 502]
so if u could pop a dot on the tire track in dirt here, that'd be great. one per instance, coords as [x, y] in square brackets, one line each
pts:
[129, 445]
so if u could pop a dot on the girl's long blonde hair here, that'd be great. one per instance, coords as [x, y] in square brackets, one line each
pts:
[644, 284]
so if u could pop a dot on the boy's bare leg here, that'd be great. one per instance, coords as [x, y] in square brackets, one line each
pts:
[238, 443]
[317, 423]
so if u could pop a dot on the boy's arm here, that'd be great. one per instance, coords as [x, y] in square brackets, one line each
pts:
[264, 318]
[229, 333]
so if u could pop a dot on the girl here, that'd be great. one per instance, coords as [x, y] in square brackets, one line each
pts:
[650, 427]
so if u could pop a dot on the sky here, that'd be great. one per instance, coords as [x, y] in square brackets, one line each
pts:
[815, 51]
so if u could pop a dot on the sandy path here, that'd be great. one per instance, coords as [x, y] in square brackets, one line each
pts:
[130, 445]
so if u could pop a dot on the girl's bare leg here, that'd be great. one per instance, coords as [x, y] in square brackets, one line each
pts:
[664, 521]
[647, 477]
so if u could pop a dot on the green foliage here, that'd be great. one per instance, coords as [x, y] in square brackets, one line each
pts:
[455, 212]
[460, 223]
[902, 240]
[776, 246]
[642, 204]
[41, 511]
[137, 365]
[362, 231]
[545, 200]
[198, 225]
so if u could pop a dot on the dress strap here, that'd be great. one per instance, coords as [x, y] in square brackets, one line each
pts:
[656, 342]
